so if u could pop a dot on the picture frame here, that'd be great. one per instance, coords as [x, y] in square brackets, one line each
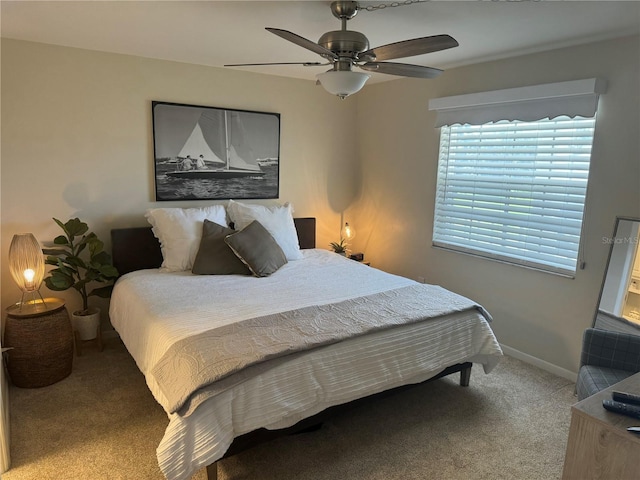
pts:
[213, 153]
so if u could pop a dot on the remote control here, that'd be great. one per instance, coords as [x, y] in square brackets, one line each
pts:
[626, 397]
[623, 408]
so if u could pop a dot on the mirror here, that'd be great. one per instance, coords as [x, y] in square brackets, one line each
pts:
[619, 302]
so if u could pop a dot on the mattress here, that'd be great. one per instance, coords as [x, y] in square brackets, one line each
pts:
[152, 311]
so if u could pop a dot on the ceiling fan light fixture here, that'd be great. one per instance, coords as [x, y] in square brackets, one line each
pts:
[342, 83]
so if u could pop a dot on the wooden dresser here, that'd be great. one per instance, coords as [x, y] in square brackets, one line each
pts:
[599, 446]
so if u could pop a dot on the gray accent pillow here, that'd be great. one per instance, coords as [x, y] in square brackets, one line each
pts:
[256, 247]
[214, 256]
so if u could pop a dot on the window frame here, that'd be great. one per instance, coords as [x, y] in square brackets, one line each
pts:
[500, 231]
[574, 98]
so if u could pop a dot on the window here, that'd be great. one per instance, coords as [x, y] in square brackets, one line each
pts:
[514, 190]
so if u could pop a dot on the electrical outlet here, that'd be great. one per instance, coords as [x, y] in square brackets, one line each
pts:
[421, 279]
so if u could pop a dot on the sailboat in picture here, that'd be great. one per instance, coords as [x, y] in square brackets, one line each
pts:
[218, 131]
[197, 147]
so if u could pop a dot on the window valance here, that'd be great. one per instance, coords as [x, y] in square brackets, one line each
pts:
[572, 98]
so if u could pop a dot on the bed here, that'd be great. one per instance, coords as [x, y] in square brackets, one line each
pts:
[169, 321]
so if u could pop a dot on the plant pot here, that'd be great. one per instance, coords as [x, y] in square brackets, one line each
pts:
[86, 325]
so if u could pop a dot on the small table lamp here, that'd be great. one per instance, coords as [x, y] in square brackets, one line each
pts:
[26, 263]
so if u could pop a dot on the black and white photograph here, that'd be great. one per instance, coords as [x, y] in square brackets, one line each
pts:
[210, 153]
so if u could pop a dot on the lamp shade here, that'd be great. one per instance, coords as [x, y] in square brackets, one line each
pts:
[342, 83]
[26, 262]
[348, 232]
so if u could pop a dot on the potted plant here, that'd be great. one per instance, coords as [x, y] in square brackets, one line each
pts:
[339, 247]
[79, 259]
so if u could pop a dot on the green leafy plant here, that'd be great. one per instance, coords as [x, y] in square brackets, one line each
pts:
[339, 247]
[77, 270]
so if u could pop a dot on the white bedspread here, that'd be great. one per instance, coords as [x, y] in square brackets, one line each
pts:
[152, 310]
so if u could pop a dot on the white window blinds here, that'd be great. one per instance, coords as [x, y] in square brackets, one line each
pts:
[515, 191]
[513, 170]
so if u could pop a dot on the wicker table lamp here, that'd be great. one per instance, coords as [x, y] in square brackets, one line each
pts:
[37, 331]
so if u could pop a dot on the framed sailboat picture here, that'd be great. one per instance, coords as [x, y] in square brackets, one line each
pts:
[210, 153]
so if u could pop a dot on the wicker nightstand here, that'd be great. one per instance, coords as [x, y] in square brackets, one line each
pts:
[41, 344]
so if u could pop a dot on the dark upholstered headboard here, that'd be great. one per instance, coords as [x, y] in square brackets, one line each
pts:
[137, 248]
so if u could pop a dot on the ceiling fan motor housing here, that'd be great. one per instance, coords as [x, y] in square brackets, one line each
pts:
[344, 42]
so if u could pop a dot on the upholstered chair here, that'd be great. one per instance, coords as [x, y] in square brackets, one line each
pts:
[607, 358]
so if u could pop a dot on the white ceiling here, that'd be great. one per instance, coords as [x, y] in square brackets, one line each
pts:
[220, 32]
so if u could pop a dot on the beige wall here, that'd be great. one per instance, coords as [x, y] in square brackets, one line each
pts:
[77, 139]
[538, 314]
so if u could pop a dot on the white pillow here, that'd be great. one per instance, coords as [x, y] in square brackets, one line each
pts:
[278, 220]
[180, 232]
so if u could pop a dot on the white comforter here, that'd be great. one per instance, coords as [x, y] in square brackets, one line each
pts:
[152, 310]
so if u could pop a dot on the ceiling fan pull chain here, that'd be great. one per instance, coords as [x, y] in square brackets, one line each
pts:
[381, 6]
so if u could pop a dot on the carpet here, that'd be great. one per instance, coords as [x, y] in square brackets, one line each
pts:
[102, 423]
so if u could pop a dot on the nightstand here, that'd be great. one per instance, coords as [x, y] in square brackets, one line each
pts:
[40, 342]
[359, 257]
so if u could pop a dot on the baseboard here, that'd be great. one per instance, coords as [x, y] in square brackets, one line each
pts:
[537, 362]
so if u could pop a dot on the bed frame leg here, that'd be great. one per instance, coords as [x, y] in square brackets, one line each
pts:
[465, 376]
[212, 471]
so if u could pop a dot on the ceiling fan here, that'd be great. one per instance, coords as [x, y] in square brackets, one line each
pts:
[345, 49]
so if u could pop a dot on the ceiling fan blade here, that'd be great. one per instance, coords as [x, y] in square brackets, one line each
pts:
[401, 69]
[306, 64]
[410, 48]
[303, 42]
